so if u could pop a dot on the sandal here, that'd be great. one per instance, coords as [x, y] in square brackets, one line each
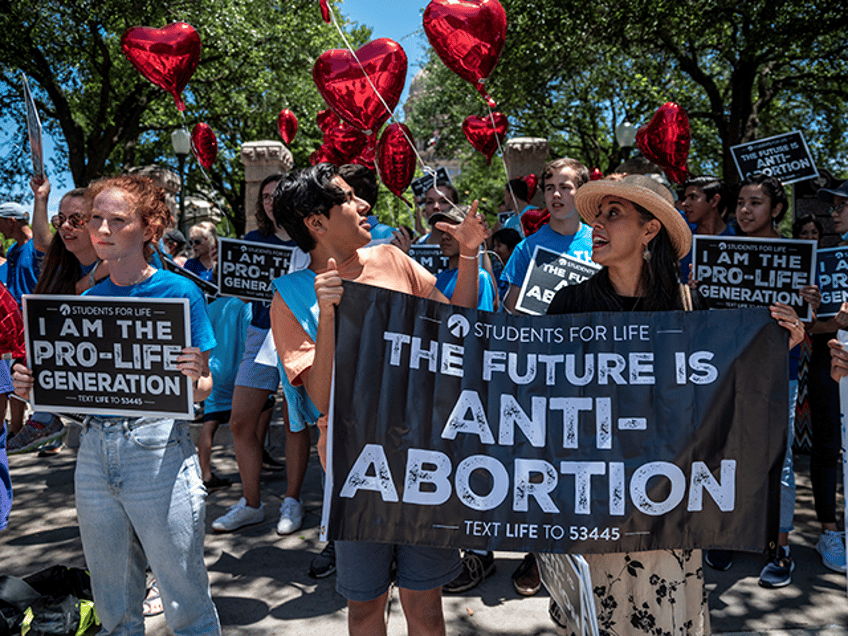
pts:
[152, 605]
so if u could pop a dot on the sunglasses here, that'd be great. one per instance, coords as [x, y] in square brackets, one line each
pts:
[74, 220]
[837, 207]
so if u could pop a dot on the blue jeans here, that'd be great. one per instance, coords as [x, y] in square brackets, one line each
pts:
[140, 500]
[787, 475]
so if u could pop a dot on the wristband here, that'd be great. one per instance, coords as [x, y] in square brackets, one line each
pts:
[470, 258]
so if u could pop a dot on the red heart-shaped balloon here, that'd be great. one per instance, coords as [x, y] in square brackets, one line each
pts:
[345, 88]
[287, 125]
[532, 181]
[396, 158]
[483, 135]
[468, 36]
[205, 144]
[326, 119]
[665, 141]
[345, 141]
[325, 11]
[167, 57]
[324, 155]
[596, 174]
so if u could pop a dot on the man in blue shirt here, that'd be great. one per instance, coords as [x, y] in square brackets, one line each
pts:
[564, 233]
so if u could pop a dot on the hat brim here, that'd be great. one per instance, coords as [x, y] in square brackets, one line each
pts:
[588, 200]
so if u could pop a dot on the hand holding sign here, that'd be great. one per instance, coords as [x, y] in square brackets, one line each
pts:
[328, 289]
[470, 234]
[788, 319]
[22, 380]
[812, 295]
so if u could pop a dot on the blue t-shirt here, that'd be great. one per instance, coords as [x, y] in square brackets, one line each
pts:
[577, 245]
[514, 222]
[380, 230]
[446, 283]
[262, 311]
[24, 268]
[230, 318]
[167, 285]
[196, 267]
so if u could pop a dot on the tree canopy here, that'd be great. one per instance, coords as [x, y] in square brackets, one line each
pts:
[256, 58]
[571, 72]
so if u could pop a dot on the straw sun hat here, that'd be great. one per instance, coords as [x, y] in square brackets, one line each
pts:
[642, 191]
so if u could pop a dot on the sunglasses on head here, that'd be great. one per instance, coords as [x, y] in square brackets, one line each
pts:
[74, 220]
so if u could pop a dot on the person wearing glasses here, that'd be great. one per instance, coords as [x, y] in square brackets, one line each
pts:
[203, 239]
[838, 199]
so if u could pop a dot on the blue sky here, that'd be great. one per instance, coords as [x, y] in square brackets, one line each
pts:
[399, 20]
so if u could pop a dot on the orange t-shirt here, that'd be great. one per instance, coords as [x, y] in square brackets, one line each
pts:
[381, 266]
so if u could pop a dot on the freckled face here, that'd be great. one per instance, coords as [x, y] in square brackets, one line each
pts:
[115, 227]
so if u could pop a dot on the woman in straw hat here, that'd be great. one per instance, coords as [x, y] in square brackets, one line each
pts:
[639, 237]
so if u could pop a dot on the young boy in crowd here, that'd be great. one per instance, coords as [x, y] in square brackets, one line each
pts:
[324, 217]
[564, 232]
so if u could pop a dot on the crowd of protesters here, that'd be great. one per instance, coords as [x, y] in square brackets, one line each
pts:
[115, 238]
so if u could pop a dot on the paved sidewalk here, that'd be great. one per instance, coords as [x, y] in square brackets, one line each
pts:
[260, 586]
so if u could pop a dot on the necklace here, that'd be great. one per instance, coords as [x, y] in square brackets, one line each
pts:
[145, 273]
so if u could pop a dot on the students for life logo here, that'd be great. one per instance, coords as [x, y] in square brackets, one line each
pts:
[458, 325]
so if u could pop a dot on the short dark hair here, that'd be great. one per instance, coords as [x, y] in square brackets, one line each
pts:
[304, 193]
[507, 236]
[579, 169]
[446, 187]
[362, 180]
[711, 186]
[803, 220]
[772, 187]
[263, 223]
[519, 188]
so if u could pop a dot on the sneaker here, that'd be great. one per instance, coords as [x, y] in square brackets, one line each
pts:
[831, 547]
[291, 516]
[325, 563]
[239, 516]
[778, 573]
[269, 463]
[720, 560]
[51, 448]
[216, 483]
[34, 434]
[475, 568]
[526, 578]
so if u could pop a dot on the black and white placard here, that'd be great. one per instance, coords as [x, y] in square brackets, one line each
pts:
[547, 273]
[833, 277]
[736, 271]
[786, 157]
[247, 269]
[430, 257]
[108, 355]
[422, 184]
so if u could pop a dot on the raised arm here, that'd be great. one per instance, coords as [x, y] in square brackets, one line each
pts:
[470, 234]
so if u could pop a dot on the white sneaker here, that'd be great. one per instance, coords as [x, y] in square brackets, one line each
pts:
[239, 516]
[831, 547]
[291, 516]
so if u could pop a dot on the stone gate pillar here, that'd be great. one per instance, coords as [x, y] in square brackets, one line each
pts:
[524, 155]
[261, 159]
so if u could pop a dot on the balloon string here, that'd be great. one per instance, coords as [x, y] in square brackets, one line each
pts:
[503, 161]
[424, 167]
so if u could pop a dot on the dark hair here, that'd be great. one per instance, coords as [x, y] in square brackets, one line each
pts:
[519, 188]
[263, 223]
[581, 171]
[362, 180]
[507, 236]
[711, 186]
[148, 201]
[60, 270]
[303, 193]
[803, 220]
[446, 187]
[773, 189]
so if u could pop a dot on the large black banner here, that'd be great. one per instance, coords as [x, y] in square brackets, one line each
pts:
[833, 275]
[248, 270]
[547, 273]
[736, 271]
[580, 433]
[107, 355]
